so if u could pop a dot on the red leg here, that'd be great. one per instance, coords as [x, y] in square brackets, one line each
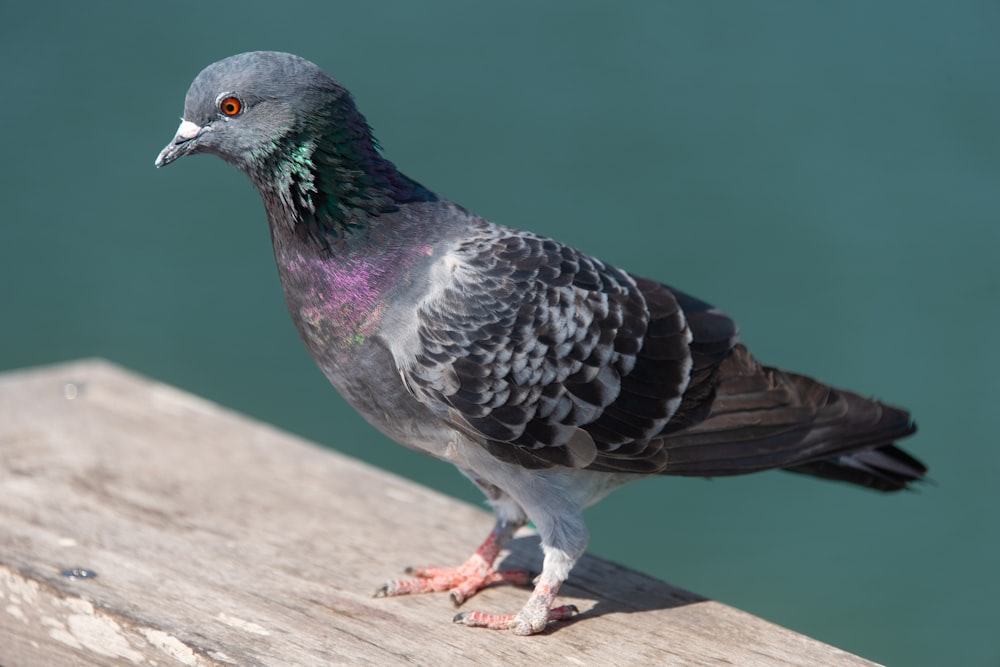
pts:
[533, 618]
[465, 580]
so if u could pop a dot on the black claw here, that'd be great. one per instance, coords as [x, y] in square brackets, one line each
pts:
[459, 617]
[381, 592]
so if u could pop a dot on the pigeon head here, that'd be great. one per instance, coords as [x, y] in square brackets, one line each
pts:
[297, 134]
[245, 107]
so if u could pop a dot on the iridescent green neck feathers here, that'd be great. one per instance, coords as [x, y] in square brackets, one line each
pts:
[328, 178]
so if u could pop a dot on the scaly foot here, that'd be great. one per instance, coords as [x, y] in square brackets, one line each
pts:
[463, 581]
[477, 619]
[533, 618]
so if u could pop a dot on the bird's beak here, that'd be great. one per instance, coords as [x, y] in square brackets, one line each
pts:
[182, 144]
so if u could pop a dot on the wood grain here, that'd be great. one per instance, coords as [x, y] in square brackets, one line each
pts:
[219, 540]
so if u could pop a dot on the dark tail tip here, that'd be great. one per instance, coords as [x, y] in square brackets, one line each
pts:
[885, 468]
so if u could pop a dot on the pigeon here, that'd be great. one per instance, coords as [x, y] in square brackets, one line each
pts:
[548, 377]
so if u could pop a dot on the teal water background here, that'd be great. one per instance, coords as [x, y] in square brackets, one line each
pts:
[828, 173]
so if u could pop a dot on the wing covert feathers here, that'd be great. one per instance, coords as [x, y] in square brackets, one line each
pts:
[547, 356]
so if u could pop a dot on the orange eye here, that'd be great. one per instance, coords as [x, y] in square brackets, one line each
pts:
[231, 106]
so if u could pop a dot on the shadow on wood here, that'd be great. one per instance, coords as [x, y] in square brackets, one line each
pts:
[218, 540]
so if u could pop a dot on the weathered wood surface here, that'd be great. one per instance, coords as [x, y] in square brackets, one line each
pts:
[218, 540]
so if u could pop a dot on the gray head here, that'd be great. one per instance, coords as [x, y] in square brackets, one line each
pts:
[296, 133]
[241, 107]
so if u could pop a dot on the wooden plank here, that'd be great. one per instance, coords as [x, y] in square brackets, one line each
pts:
[218, 540]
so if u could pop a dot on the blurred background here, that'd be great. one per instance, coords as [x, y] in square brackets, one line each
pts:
[825, 172]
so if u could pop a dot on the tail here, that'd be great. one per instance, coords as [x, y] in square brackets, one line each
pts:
[885, 468]
[764, 418]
